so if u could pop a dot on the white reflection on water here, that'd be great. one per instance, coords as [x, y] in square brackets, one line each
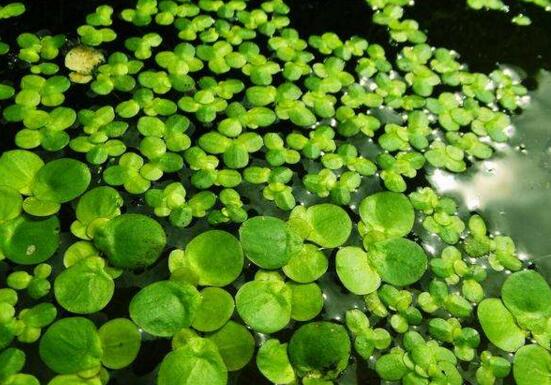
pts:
[513, 189]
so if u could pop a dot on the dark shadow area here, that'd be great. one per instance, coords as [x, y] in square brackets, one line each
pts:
[344, 17]
[483, 38]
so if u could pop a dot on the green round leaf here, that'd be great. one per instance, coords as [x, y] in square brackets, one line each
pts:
[100, 202]
[391, 367]
[528, 296]
[389, 213]
[71, 345]
[121, 340]
[61, 180]
[398, 261]
[235, 344]
[6, 92]
[215, 310]
[273, 362]
[331, 225]
[85, 287]
[131, 241]
[18, 169]
[164, 307]
[309, 264]
[12, 361]
[499, 325]
[216, 257]
[320, 347]
[10, 203]
[196, 363]
[38, 208]
[268, 242]
[264, 305]
[355, 272]
[30, 241]
[306, 301]
[532, 365]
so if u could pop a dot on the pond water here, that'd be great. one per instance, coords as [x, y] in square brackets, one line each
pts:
[512, 191]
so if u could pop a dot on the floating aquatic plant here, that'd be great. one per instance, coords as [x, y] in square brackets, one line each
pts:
[225, 168]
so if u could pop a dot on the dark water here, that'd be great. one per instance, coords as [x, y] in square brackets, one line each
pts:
[512, 190]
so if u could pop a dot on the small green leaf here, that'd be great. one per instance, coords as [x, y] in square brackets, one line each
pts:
[391, 367]
[71, 345]
[195, 363]
[12, 361]
[61, 181]
[85, 287]
[499, 325]
[528, 297]
[398, 261]
[331, 225]
[273, 362]
[389, 213]
[309, 264]
[532, 365]
[18, 169]
[264, 305]
[355, 272]
[165, 307]
[131, 241]
[268, 242]
[235, 344]
[215, 310]
[320, 347]
[120, 340]
[10, 203]
[30, 241]
[216, 258]
[306, 302]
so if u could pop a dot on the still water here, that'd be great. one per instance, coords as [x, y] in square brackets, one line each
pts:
[512, 191]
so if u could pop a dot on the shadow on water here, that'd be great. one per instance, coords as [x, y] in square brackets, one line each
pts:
[483, 38]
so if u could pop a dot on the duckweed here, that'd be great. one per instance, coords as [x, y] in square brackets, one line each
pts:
[499, 325]
[355, 272]
[531, 363]
[164, 307]
[120, 340]
[216, 308]
[399, 261]
[320, 348]
[306, 301]
[265, 304]
[330, 226]
[71, 345]
[235, 344]
[179, 366]
[273, 361]
[29, 241]
[215, 266]
[237, 179]
[85, 287]
[307, 265]
[268, 242]
[131, 241]
[386, 215]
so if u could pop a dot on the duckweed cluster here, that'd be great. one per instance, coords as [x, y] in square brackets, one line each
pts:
[224, 169]
[500, 6]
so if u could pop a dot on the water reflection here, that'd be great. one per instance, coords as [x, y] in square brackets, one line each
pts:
[513, 189]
